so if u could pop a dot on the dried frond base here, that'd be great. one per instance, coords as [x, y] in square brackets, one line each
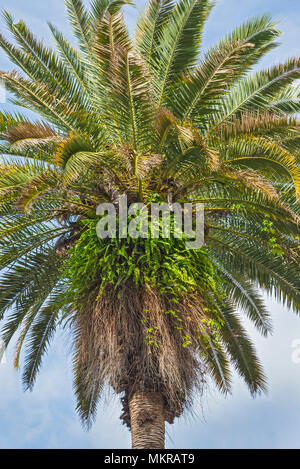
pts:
[135, 339]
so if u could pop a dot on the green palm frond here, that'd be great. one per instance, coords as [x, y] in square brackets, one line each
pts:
[287, 101]
[218, 365]
[39, 337]
[150, 26]
[80, 21]
[244, 295]
[275, 276]
[257, 91]
[37, 97]
[242, 352]
[72, 59]
[41, 63]
[260, 152]
[179, 42]
[230, 59]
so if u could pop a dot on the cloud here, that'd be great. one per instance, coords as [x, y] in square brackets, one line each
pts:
[46, 418]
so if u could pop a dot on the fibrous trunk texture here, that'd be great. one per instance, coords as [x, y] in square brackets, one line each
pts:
[147, 420]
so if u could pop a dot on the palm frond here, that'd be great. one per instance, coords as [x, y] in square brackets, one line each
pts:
[179, 42]
[242, 352]
[40, 335]
[198, 93]
[149, 27]
[257, 91]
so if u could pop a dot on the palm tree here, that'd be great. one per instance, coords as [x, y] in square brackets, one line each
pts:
[150, 118]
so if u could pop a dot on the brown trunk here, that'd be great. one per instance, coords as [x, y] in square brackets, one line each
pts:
[147, 420]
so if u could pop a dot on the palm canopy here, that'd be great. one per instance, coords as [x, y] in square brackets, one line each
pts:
[149, 116]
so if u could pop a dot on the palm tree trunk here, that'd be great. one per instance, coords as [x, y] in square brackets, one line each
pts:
[147, 420]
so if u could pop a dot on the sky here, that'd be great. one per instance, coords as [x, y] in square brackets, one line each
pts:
[46, 417]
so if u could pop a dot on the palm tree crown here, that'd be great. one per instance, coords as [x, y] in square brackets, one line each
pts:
[152, 117]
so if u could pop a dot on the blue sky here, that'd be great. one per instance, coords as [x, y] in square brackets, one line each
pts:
[46, 417]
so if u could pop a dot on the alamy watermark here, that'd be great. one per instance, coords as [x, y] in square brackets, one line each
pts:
[2, 353]
[296, 351]
[2, 92]
[156, 220]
